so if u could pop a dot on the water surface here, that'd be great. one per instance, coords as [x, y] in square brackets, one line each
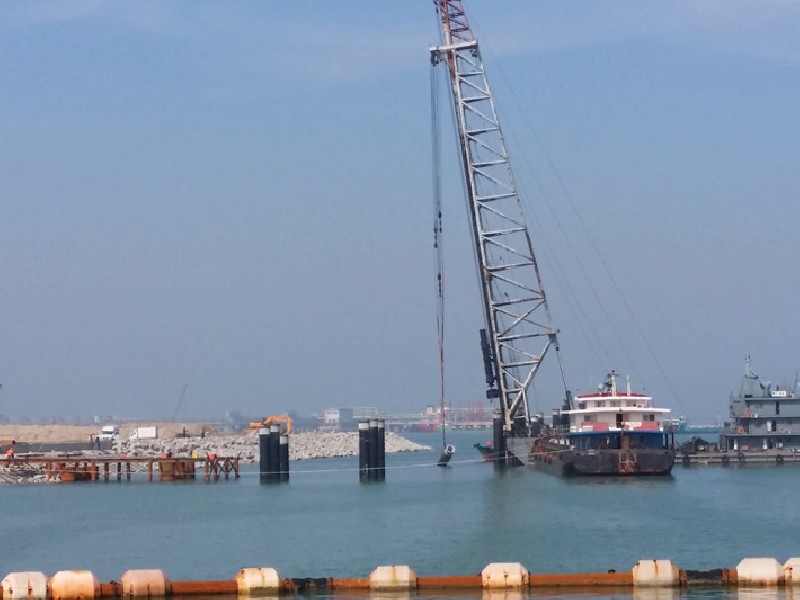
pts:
[453, 521]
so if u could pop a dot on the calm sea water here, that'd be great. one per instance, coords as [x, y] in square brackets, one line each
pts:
[452, 521]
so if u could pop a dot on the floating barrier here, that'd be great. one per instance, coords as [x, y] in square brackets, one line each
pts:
[255, 581]
[147, 583]
[65, 585]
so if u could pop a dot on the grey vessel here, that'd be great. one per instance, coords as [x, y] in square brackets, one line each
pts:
[765, 417]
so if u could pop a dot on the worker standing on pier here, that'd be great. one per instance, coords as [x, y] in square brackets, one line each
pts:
[10, 454]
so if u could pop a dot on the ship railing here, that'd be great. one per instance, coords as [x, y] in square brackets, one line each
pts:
[560, 430]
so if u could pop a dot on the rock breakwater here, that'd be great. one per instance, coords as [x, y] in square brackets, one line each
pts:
[302, 446]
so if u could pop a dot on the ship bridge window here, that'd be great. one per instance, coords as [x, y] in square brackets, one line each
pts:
[636, 441]
[601, 403]
[631, 403]
[615, 403]
[656, 442]
[581, 405]
[777, 407]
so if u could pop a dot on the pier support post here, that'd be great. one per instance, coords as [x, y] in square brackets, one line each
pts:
[498, 441]
[270, 442]
[363, 450]
[380, 466]
[283, 456]
[274, 452]
[263, 453]
[373, 449]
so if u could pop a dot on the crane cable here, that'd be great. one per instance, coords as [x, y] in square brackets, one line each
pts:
[437, 240]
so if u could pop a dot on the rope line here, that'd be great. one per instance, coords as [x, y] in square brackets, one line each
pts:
[438, 239]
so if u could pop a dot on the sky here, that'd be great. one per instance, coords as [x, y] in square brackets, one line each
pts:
[208, 207]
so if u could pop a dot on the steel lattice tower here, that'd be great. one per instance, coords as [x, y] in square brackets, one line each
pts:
[515, 307]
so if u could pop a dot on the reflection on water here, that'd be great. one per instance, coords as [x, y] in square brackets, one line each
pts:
[654, 481]
[553, 594]
[596, 594]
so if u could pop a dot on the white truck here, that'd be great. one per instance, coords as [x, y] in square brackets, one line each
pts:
[144, 433]
[108, 432]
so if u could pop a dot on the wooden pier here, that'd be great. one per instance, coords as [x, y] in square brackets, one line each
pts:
[82, 468]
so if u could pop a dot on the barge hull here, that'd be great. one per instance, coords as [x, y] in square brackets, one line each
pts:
[569, 462]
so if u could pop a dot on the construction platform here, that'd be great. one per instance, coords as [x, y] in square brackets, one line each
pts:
[68, 469]
[740, 459]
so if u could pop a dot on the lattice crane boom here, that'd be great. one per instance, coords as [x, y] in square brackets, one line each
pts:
[515, 306]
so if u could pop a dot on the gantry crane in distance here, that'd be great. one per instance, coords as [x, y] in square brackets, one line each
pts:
[518, 327]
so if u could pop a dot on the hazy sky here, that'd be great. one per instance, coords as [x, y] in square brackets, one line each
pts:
[236, 198]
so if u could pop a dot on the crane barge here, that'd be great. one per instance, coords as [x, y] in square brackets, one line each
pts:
[518, 330]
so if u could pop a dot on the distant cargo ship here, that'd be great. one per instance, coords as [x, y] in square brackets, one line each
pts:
[692, 429]
[424, 427]
[676, 424]
[681, 425]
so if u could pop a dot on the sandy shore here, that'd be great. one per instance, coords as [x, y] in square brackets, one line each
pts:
[83, 433]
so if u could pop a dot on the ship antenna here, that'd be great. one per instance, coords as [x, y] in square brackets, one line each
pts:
[748, 371]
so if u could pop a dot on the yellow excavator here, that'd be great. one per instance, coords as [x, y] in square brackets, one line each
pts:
[267, 421]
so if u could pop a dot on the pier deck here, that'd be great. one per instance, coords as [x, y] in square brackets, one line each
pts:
[82, 468]
[734, 458]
